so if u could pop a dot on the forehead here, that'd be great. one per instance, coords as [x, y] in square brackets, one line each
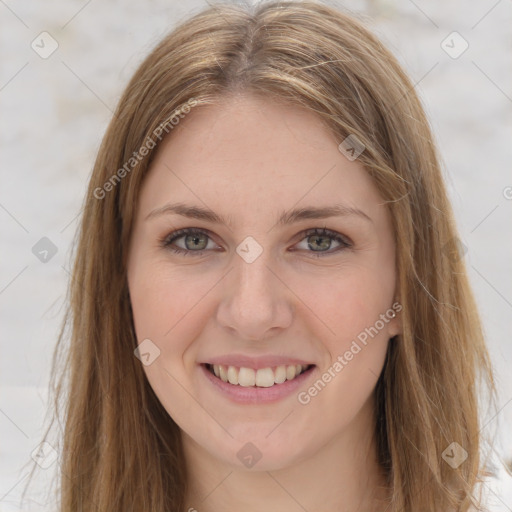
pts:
[249, 154]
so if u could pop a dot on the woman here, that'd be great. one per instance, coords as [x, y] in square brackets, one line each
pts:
[224, 352]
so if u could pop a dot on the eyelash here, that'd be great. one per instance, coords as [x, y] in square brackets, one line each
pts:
[176, 235]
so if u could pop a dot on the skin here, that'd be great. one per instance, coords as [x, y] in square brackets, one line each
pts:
[250, 159]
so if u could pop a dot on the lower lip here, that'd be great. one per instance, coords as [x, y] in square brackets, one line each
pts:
[257, 395]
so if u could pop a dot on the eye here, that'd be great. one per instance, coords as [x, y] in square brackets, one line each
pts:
[193, 239]
[319, 239]
[196, 241]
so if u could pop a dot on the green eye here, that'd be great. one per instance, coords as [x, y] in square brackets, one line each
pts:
[196, 241]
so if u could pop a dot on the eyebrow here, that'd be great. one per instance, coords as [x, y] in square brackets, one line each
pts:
[286, 218]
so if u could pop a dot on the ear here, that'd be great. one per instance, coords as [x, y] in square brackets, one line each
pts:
[395, 322]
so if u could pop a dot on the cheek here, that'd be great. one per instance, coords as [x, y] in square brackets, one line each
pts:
[168, 307]
[356, 337]
[355, 344]
[352, 300]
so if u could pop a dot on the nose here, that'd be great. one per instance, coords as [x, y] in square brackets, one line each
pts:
[256, 302]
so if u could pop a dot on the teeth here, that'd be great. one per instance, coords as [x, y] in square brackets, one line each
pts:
[280, 374]
[223, 373]
[264, 377]
[246, 377]
[232, 375]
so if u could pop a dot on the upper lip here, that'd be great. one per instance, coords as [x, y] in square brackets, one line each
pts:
[255, 362]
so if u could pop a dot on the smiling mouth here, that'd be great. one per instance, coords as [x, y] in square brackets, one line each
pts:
[263, 377]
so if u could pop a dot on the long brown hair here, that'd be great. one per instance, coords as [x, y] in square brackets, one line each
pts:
[121, 450]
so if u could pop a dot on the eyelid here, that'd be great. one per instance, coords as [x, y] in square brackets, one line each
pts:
[345, 241]
[166, 241]
[178, 233]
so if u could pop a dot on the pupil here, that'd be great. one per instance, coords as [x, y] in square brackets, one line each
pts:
[317, 238]
[195, 239]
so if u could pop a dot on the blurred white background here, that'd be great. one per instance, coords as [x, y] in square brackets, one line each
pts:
[55, 108]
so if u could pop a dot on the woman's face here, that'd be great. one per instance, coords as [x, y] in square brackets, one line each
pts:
[259, 290]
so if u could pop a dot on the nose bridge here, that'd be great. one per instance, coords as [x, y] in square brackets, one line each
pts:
[254, 280]
[254, 300]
